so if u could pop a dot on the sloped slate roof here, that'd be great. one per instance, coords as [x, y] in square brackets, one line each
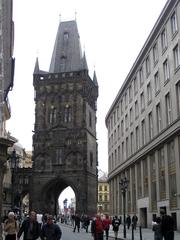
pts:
[67, 54]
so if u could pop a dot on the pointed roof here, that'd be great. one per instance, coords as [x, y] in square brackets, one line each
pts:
[85, 66]
[67, 54]
[95, 79]
[36, 68]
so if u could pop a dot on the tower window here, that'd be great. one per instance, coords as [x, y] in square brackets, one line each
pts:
[67, 114]
[66, 36]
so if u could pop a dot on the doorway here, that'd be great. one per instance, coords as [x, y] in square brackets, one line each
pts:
[143, 217]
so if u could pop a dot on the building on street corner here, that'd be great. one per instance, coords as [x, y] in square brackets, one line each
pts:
[143, 125]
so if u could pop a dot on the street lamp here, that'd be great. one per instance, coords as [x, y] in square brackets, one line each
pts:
[124, 185]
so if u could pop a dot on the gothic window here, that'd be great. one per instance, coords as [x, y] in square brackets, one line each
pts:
[52, 115]
[91, 159]
[59, 156]
[90, 119]
[66, 36]
[67, 114]
[62, 63]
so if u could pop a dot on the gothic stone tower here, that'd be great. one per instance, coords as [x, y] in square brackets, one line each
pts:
[64, 141]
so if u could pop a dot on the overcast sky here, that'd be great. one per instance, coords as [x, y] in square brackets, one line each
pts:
[112, 34]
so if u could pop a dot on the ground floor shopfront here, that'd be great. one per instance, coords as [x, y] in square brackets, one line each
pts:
[153, 176]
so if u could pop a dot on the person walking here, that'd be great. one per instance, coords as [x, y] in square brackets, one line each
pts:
[10, 227]
[30, 228]
[116, 223]
[128, 221]
[106, 223]
[157, 229]
[50, 230]
[134, 221]
[97, 228]
[77, 221]
[167, 226]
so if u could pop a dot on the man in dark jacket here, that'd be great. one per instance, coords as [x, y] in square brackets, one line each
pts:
[167, 226]
[30, 228]
[50, 230]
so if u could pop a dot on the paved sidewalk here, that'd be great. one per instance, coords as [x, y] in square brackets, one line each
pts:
[147, 234]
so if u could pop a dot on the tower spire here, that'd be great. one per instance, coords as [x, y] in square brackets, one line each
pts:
[36, 68]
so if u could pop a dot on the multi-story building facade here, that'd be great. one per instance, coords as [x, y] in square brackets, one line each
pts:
[6, 81]
[103, 195]
[144, 126]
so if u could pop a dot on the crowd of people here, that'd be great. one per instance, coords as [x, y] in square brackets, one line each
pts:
[36, 226]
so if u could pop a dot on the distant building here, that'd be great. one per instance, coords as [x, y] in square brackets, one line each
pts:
[103, 195]
[144, 126]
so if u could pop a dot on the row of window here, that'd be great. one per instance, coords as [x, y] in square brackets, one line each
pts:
[159, 175]
[139, 137]
[146, 68]
[160, 124]
[103, 188]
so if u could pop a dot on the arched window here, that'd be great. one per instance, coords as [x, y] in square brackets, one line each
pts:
[52, 115]
[67, 113]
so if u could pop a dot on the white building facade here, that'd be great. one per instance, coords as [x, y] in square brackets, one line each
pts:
[143, 126]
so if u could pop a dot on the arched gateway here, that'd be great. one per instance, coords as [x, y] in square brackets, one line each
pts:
[64, 141]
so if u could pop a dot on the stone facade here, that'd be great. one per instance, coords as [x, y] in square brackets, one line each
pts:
[144, 126]
[64, 141]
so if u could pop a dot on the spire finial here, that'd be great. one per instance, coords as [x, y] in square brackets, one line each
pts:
[37, 52]
[75, 15]
[60, 17]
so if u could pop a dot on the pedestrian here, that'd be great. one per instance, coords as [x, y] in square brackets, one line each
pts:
[116, 223]
[10, 227]
[77, 221]
[86, 222]
[134, 221]
[128, 221]
[30, 228]
[51, 230]
[167, 226]
[97, 228]
[157, 229]
[106, 223]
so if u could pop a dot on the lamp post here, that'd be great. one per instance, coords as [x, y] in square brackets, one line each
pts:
[124, 185]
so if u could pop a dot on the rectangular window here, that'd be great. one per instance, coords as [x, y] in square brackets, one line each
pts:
[122, 127]
[157, 82]
[174, 26]
[118, 131]
[117, 110]
[141, 77]
[136, 109]
[135, 86]
[164, 40]
[159, 119]
[130, 93]
[166, 70]
[126, 121]
[155, 53]
[150, 118]
[149, 93]
[122, 153]
[122, 107]
[147, 66]
[126, 99]
[131, 116]
[176, 56]
[137, 138]
[132, 143]
[127, 146]
[168, 109]
[143, 131]
[161, 167]
[118, 154]
[178, 97]
[142, 101]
